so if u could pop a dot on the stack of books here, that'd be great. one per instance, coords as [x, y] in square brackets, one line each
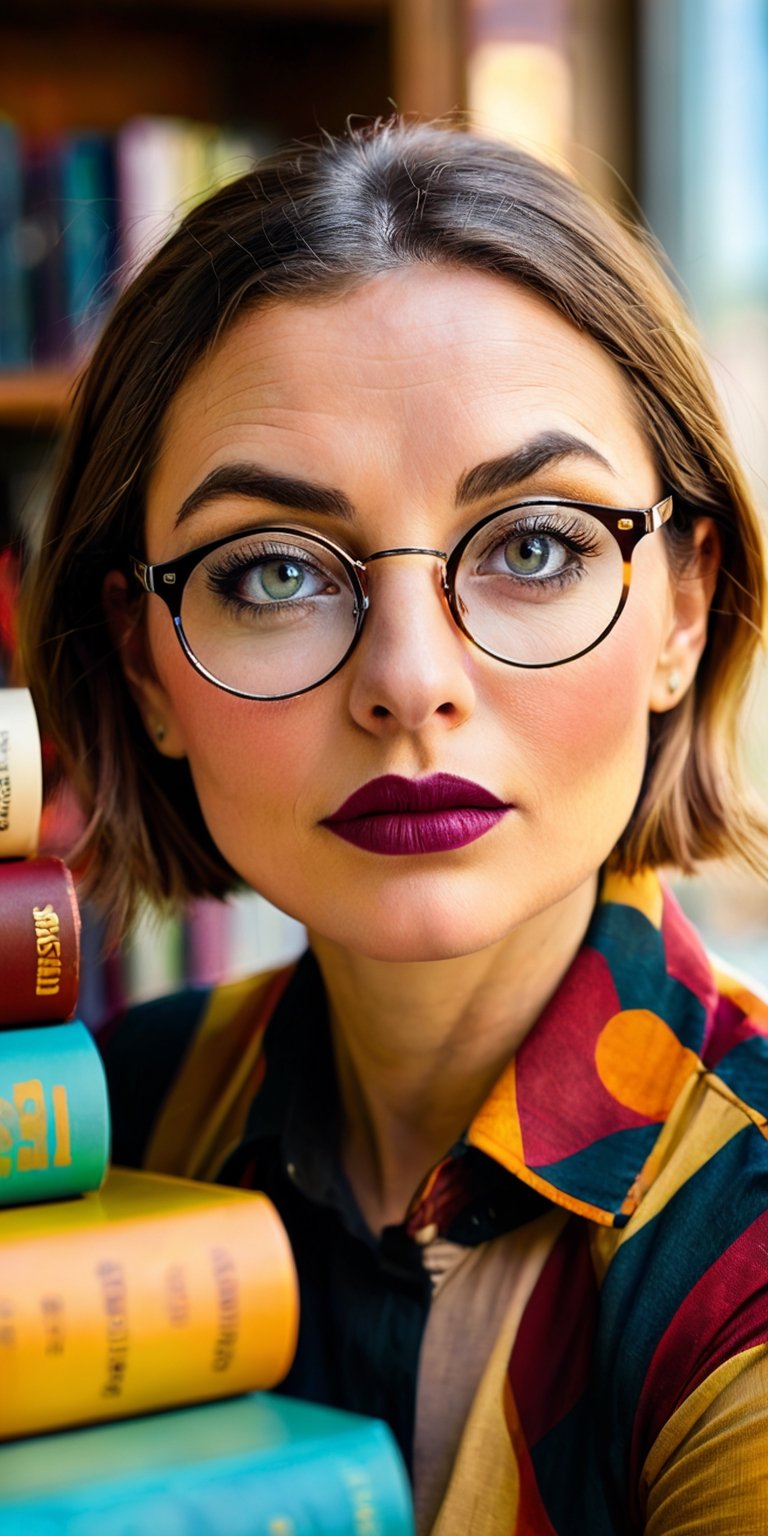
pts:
[54, 1114]
[165, 1306]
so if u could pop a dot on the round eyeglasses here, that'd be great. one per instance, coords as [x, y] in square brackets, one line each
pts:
[275, 611]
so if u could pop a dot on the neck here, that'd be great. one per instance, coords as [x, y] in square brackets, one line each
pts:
[419, 1045]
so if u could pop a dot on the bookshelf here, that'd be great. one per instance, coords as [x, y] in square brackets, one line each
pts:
[287, 65]
[290, 66]
[35, 399]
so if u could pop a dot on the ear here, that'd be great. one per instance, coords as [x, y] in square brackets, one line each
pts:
[693, 591]
[125, 617]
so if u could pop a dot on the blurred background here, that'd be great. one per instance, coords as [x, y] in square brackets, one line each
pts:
[116, 114]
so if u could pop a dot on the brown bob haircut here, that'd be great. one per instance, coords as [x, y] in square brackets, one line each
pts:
[312, 222]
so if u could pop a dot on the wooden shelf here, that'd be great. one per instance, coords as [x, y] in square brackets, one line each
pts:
[37, 398]
[35, 11]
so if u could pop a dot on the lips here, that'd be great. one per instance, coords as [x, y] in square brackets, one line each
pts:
[395, 815]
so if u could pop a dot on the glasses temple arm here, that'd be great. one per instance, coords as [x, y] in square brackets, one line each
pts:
[143, 573]
[660, 514]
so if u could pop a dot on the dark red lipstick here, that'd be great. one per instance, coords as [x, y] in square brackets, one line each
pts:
[397, 815]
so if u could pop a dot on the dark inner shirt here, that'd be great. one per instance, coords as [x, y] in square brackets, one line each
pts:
[364, 1301]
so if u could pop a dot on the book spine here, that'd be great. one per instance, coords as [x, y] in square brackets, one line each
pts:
[153, 957]
[352, 1483]
[51, 334]
[39, 942]
[88, 196]
[14, 321]
[54, 1114]
[206, 942]
[21, 775]
[111, 1319]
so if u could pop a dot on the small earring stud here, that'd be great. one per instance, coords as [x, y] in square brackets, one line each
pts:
[673, 681]
[160, 731]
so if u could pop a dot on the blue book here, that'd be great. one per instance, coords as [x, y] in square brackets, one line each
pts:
[51, 338]
[252, 1466]
[54, 1114]
[69, 220]
[14, 308]
[89, 232]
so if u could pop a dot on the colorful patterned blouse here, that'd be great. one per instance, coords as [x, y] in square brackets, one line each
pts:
[568, 1333]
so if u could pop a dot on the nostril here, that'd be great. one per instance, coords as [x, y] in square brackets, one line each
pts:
[445, 709]
[380, 711]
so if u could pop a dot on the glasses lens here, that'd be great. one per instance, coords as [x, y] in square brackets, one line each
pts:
[269, 614]
[538, 585]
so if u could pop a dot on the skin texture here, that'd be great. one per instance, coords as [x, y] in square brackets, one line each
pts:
[436, 965]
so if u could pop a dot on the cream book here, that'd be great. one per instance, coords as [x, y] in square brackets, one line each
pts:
[21, 775]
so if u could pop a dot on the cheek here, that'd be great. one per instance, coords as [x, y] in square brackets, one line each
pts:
[588, 721]
[601, 711]
[583, 729]
[242, 751]
[244, 756]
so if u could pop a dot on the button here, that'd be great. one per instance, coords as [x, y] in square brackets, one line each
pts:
[425, 1235]
[290, 1169]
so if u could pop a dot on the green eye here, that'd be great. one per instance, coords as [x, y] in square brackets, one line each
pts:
[280, 578]
[532, 553]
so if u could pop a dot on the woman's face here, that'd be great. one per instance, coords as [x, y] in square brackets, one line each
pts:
[391, 394]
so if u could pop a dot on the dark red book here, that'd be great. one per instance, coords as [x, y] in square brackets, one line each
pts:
[39, 942]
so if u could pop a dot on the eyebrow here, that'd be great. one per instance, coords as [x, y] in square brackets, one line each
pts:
[487, 479]
[541, 452]
[266, 485]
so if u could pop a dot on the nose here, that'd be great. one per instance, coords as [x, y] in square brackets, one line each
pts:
[412, 667]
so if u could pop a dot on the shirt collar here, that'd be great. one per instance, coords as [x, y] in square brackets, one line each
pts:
[576, 1114]
[578, 1111]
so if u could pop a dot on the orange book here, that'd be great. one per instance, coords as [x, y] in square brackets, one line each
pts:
[151, 1293]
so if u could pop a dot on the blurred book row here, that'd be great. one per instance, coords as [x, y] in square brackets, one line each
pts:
[81, 211]
[214, 941]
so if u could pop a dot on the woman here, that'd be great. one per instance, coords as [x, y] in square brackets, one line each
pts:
[400, 566]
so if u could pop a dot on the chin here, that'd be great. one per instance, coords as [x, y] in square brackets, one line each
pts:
[418, 930]
[417, 948]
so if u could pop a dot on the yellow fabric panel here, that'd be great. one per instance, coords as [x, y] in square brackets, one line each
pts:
[643, 891]
[483, 1494]
[205, 1111]
[707, 1473]
[706, 1116]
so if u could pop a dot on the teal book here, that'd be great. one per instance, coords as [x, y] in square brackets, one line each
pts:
[14, 316]
[252, 1466]
[88, 218]
[54, 1114]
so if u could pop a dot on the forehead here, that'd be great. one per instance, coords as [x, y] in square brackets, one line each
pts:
[419, 372]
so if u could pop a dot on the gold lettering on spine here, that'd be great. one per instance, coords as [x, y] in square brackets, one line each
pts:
[62, 1153]
[9, 1135]
[5, 780]
[24, 1129]
[48, 944]
[29, 1099]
